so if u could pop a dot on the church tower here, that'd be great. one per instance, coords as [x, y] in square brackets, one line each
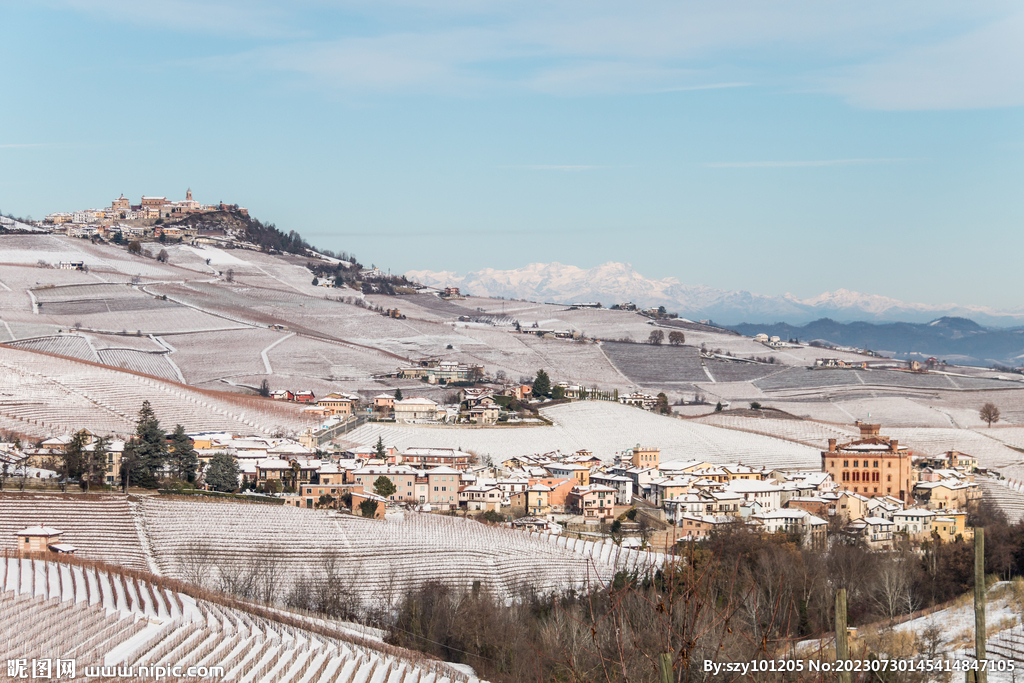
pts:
[188, 195]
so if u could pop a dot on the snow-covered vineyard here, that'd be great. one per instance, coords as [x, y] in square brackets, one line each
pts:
[45, 395]
[1007, 494]
[382, 558]
[101, 527]
[208, 541]
[605, 429]
[57, 611]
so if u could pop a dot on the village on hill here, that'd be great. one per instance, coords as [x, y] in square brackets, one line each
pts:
[196, 397]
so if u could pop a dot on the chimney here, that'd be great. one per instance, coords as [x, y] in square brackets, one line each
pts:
[831, 445]
[894, 445]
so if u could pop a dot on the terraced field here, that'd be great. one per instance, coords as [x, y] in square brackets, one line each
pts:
[106, 621]
[60, 396]
[147, 362]
[649, 365]
[70, 345]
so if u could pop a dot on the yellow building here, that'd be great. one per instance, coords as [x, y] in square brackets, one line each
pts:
[645, 456]
[951, 524]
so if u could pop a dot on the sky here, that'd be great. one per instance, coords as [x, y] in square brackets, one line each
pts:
[790, 146]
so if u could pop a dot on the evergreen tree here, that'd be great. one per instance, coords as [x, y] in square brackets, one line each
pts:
[381, 451]
[96, 462]
[384, 487]
[398, 394]
[149, 446]
[184, 461]
[368, 508]
[542, 384]
[72, 461]
[222, 475]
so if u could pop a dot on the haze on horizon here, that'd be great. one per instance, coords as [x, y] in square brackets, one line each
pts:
[794, 147]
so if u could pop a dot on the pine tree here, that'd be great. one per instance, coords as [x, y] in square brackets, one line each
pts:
[381, 451]
[398, 394]
[184, 461]
[72, 461]
[222, 475]
[149, 447]
[542, 384]
[384, 487]
[96, 462]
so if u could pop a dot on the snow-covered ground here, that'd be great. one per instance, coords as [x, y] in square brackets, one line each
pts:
[605, 428]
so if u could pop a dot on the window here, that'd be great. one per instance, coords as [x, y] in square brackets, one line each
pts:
[876, 464]
[846, 463]
[856, 463]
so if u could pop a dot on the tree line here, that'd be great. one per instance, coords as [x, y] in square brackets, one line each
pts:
[736, 596]
[149, 459]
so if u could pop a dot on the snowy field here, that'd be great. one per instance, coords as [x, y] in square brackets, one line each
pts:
[605, 428]
[814, 434]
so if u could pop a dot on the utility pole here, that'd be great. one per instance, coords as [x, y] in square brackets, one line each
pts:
[842, 645]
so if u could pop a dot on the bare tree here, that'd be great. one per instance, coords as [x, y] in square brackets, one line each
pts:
[162, 256]
[989, 413]
[676, 338]
[893, 594]
[196, 563]
[656, 337]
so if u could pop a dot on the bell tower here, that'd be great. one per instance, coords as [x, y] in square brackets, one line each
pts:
[188, 195]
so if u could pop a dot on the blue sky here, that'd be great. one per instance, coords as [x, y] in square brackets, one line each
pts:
[776, 147]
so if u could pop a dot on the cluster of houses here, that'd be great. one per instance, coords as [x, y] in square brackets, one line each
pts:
[871, 489]
[695, 497]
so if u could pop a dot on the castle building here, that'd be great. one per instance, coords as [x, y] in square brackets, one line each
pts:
[874, 465]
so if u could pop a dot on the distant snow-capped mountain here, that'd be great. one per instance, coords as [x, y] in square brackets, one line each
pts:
[618, 282]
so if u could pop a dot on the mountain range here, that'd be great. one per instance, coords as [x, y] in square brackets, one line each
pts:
[957, 340]
[613, 282]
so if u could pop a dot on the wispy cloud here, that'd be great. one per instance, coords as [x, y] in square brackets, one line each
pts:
[918, 54]
[800, 164]
[977, 69]
[710, 86]
[558, 167]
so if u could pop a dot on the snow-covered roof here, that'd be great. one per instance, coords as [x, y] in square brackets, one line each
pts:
[62, 547]
[443, 470]
[752, 486]
[39, 531]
